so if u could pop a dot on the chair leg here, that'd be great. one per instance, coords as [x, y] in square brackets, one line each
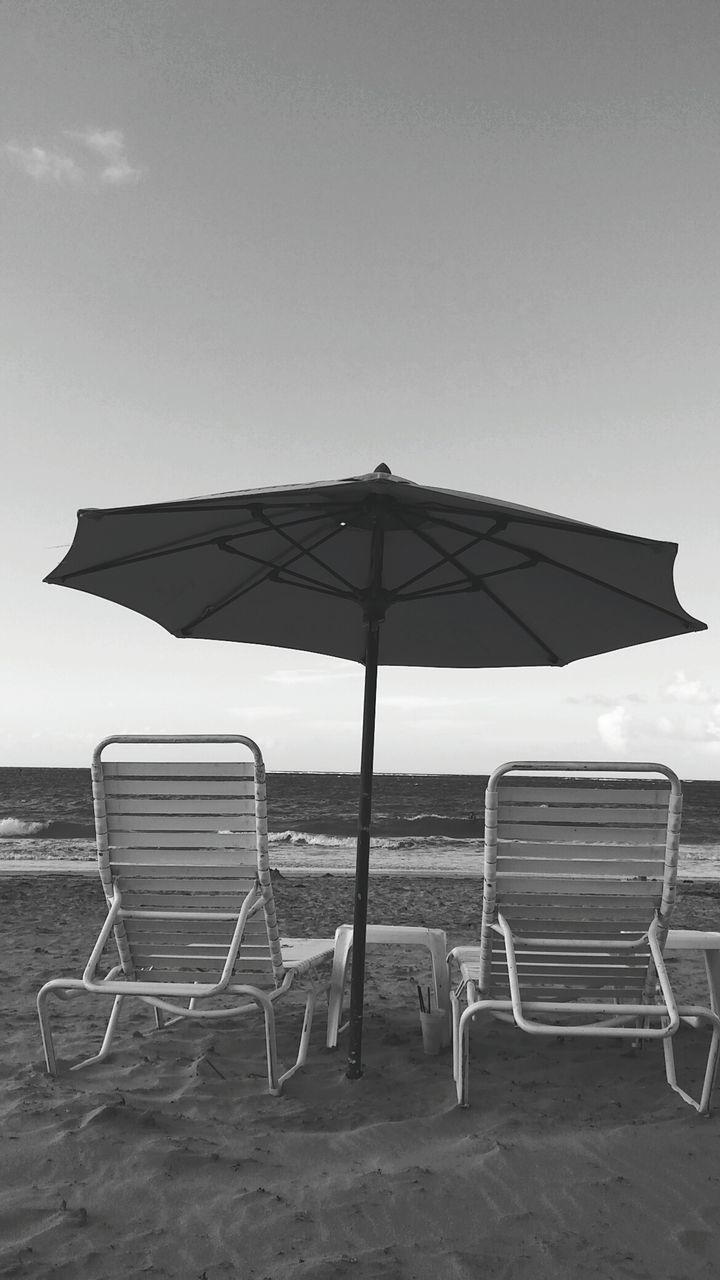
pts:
[343, 943]
[64, 987]
[455, 1014]
[304, 1040]
[697, 1015]
[437, 945]
[712, 969]
[462, 1080]
[108, 1037]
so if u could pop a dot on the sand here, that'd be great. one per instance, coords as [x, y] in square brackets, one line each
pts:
[171, 1159]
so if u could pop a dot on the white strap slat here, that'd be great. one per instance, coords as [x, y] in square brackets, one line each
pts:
[182, 840]
[582, 866]
[178, 768]
[190, 943]
[561, 930]
[255, 975]
[542, 793]
[178, 787]
[610, 815]
[185, 884]
[143, 822]
[218, 932]
[604, 834]
[178, 960]
[543, 904]
[554, 849]
[585, 886]
[593, 966]
[628, 978]
[572, 991]
[530, 926]
[239, 858]
[179, 806]
[153, 900]
[146, 950]
[236, 872]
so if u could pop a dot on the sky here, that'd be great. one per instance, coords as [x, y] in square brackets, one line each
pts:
[257, 243]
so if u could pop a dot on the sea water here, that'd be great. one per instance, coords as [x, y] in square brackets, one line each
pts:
[422, 823]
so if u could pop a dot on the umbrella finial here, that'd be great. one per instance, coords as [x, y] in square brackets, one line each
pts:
[383, 469]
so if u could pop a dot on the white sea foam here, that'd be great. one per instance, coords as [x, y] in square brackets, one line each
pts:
[10, 827]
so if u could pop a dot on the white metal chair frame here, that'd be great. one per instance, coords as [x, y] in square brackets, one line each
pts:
[163, 996]
[610, 1016]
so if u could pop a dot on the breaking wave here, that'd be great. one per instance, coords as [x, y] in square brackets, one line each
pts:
[21, 828]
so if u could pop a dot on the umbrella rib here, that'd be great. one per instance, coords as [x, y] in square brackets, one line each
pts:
[272, 571]
[461, 586]
[307, 551]
[444, 558]
[539, 556]
[290, 577]
[555, 660]
[167, 549]
[597, 582]
[476, 583]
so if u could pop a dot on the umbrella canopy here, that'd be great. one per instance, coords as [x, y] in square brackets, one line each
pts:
[376, 568]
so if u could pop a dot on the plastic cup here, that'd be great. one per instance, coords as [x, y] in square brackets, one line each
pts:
[435, 1030]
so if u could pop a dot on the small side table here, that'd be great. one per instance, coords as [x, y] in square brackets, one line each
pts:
[709, 943]
[390, 935]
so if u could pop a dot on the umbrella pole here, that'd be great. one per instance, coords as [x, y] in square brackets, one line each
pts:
[362, 865]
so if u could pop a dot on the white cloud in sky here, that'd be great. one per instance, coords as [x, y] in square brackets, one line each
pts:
[95, 158]
[44, 165]
[692, 713]
[613, 728]
[681, 689]
[109, 146]
[685, 710]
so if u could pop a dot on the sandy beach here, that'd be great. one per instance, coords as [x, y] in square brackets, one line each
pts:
[171, 1159]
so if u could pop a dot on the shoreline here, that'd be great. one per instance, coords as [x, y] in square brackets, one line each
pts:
[33, 867]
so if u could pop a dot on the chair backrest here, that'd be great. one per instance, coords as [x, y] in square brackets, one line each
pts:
[578, 851]
[185, 842]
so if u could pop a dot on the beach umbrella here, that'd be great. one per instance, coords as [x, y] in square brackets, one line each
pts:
[378, 569]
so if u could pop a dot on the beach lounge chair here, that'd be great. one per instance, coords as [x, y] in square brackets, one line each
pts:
[183, 859]
[579, 885]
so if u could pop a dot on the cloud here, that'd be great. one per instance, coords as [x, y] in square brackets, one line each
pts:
[95, 158]
[702, 728]
[43, 165]
[612, 727]
[681, 689]
[108, 145]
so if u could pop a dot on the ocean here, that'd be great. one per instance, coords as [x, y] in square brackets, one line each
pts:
[422, 823]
